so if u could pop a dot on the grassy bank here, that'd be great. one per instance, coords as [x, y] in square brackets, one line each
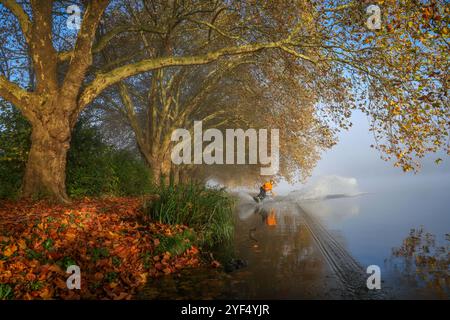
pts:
[209, 211]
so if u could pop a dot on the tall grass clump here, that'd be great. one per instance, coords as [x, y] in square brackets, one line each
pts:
[209, 211]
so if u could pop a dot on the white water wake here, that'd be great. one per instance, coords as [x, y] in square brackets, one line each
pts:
[326, 187]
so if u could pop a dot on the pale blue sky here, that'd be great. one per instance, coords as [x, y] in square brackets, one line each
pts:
[353, 157]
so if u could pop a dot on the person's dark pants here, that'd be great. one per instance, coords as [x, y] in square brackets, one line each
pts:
[262, 193]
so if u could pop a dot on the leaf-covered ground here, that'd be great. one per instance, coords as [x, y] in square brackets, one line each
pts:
[116, 252]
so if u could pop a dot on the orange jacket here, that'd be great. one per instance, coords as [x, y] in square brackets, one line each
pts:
[267, 186]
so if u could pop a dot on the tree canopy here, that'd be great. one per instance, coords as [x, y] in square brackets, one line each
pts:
[301, 66]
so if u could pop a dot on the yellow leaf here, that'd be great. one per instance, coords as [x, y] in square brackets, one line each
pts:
[22, 244]
[113, 235]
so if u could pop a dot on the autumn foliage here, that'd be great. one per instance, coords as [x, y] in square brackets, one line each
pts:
[116, 251]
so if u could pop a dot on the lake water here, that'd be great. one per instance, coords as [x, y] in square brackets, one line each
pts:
[316, 244]
[370, 225]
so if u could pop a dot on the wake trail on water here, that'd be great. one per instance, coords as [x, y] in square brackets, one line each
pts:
[326, 187]
[321, 188]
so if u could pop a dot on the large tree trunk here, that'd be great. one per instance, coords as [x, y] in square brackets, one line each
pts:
[45, 174]
[161, 171]
[55, 102]
[160, 166]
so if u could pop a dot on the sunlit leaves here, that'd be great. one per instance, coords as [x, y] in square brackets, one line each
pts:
[402, 75]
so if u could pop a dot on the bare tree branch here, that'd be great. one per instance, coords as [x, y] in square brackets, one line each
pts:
[82, 57]
[22, 16]
[104, 80]
[19, 97]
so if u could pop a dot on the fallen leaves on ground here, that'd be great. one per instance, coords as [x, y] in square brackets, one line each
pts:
[115, 252]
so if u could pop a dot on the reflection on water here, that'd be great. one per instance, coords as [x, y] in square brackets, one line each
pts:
[423, 262]
[282, 260]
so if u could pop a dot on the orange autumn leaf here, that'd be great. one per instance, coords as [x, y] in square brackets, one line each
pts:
[60, 283]
[112, 235]
[45, 293]
[194, 250]
[22, 244]
[41, 226]
[30, 277]
[55, 268]
[9, 251]
[70, 236]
